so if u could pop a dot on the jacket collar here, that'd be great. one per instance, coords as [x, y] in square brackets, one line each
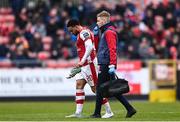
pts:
[106, 26]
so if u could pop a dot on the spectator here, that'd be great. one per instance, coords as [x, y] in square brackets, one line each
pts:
[151, 53]
[17, 5]
[40, 28]
[53, 21]
[4, 50]
[170, 21]
[132, 53]
[143, 49]
[148, 18]
[22, 19]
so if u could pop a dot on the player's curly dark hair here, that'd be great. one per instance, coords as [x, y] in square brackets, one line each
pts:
[73, 22]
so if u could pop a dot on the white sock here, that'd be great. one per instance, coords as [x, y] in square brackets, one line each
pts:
[80, 97]
[107, 105]
[107, 108]
[79, 108]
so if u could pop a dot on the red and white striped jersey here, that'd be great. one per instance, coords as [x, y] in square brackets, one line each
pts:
[82, 37]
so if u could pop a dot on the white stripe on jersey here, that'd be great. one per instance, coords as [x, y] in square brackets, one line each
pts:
[89, 48]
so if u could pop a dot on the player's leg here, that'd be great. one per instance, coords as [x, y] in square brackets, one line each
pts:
[106, 104]
[92, 83]
[80, 95]
[93, 89]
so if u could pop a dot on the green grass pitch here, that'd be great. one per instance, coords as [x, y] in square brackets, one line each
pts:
[56, 111]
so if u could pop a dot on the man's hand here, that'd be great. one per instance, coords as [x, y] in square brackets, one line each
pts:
[96, 30]
[73, 72]
[111, 69]
[80, 64]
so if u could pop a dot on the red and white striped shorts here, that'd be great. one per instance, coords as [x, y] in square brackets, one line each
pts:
[89, 73]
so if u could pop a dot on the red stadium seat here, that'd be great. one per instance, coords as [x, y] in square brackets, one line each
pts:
[65, 64]
[5, 40]
[47, 40]
[11, 27]
[2, 20]
[3, 11]
[59, 64]
[43, 55]
[51, 64]
[9, 10]
[9, 18]
[47, 47]
[6, 64]
[4, 29]
[173, 49]
[1, 40]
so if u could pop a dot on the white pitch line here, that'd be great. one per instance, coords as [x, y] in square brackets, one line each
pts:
[147, 112]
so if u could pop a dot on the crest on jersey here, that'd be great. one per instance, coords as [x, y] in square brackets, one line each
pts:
[86, 35]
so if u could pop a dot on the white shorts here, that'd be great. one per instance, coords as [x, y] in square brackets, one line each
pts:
[89, 73]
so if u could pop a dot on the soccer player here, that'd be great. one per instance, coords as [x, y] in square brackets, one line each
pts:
[88, 64]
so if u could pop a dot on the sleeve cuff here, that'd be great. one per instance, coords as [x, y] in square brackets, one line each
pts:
[111, 66]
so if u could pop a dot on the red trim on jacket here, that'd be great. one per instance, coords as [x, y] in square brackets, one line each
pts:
[111, 42]
[96, 42]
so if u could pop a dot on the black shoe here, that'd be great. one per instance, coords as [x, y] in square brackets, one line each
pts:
[130, 113]
[95, 116]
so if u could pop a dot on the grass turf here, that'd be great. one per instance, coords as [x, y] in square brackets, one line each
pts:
[56, 111]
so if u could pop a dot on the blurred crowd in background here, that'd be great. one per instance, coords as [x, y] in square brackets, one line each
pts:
[36, 29]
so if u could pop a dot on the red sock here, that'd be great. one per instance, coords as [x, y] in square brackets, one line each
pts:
[105, 100]
[80, 97]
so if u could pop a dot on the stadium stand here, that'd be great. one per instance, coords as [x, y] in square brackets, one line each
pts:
[35, 30]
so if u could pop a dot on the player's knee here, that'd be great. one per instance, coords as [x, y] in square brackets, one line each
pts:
[93, 89]
[79, 84]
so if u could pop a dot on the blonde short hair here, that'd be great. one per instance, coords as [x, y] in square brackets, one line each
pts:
[104, 14]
